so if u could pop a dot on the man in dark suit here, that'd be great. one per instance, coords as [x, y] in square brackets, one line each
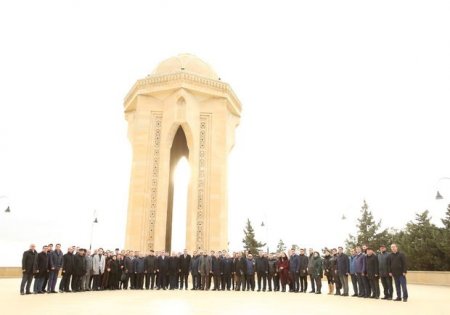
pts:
[262, 270]
[294, 265]
[174, 266]
[194, 271]
[67, 270]
[40, 270]
[240, 269]
[150, 270]
[228, 267]
[386, 279]
[216, 270]
[128, 269]
[303, 270]
[28, 259]
[343, 269]
[185, 263]
[397, 270]
[373, 273]
[79, 269]
[138, 267]
[162, 270]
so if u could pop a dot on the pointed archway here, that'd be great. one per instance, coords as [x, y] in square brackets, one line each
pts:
[178, 150]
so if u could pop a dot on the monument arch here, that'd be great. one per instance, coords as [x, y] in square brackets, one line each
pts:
[181, 109]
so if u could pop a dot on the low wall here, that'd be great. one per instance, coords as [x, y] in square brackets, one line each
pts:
[429, 277]
[414, 277]
[10, 272]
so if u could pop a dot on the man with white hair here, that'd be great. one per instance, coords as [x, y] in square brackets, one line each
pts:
[397, 270]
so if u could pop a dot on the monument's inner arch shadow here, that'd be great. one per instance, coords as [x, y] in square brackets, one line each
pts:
[179, 149]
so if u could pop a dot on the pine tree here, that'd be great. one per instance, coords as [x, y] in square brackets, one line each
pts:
[250, 243]
[368, 231]
[443, 240]
[281, 247]
[446, 219]
[420, 242]
[295, 247]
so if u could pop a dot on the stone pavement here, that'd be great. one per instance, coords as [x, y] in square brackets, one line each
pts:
[423, 299]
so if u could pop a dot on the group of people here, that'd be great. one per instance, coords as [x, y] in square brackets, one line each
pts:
[82, 270]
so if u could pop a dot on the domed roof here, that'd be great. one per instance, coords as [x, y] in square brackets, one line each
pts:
[188, 63]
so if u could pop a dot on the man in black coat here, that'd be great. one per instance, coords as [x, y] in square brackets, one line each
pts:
[28, 259]
[343, 269]
[67, 271]
[240, 269]
[40, 270]
[162, 269]
[397, 270]
[128, 269]
[216, 270]
[174, 266]
[185, 264]
[194, 271]
[262, 270]
[55, 260]
[294, 265]
[386, 279]
[303, 270]
[373, 273]
[79, 270]
[228, 267]
[150, 270]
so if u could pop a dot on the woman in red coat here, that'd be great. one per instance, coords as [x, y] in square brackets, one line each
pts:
[283, 269]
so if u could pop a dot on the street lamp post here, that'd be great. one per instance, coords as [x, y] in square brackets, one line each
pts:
[267, 235]
[438, 194]
[95, 221]
[8, 209]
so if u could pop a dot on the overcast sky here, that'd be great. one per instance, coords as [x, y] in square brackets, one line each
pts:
[341, 101]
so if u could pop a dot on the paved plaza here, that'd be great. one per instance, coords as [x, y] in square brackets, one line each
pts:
[423, 300]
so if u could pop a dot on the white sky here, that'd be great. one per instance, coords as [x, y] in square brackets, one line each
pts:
[342, 101]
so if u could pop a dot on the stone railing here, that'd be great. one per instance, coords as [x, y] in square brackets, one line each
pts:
[429, 277]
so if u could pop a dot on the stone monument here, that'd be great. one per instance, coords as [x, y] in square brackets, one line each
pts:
[181, 109]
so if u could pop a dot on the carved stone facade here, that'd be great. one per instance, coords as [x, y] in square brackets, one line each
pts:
[156, 144]
[183, 93]
[202, 208]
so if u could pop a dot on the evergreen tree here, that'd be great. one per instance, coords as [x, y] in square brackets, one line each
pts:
[420, 242]
[368, 231]
[446, 219]
[250, 242]
[443, 240]
[295, 247]
[281, 247]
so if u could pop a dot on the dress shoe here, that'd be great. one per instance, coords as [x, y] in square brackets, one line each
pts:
[21, 293]
[405, 300]
[397, 299]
